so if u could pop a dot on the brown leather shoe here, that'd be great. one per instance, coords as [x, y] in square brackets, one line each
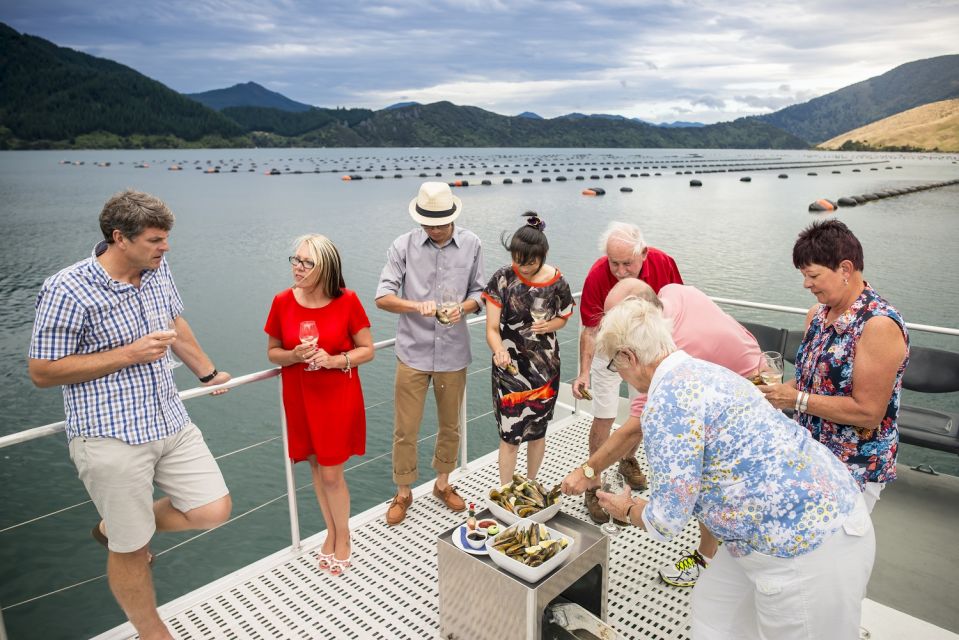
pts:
[450, 498]
[633, 475]
[397, 510]
[596, 513]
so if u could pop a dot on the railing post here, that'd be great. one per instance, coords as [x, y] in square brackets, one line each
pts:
[290, 480]
[3, 629]
[464, 466]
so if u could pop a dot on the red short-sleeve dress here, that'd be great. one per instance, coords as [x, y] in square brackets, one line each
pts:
[325, 416]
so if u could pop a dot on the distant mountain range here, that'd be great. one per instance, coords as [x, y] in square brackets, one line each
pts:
[907, 86]
[249, 94]
[54, 97]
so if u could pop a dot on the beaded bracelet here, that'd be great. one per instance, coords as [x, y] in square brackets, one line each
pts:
[349, 367]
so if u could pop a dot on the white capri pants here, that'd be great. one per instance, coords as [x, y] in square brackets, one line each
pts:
[605, 388]
[815, 596]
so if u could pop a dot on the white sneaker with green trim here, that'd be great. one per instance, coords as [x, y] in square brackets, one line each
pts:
[685, 571]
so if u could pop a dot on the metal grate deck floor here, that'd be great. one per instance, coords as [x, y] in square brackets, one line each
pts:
[390, 592]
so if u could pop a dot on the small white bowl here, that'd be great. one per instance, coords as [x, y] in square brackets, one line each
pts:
[541, 516]
[476, 539]
[527, 573]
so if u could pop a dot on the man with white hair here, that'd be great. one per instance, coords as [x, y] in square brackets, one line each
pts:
[704, 331]
[626, 256]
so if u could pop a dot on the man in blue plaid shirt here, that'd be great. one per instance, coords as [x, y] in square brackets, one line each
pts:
[103, 332]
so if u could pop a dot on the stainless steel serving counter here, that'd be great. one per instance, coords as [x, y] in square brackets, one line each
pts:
[477, 599]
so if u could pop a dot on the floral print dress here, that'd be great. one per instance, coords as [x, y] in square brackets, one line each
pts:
[824, 366]
[718, 451]
[523, 403]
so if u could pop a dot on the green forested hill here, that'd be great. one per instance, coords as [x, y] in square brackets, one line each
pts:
[248, 94]
[444, 124]
[51, 96]
[907, 86]
[54, 93]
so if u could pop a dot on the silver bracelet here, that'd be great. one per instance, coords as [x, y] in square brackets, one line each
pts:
[805, 402]
[798, 401]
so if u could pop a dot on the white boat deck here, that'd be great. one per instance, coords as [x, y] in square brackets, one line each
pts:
[391, 591]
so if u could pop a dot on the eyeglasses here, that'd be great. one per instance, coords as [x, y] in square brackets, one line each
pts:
[612, 366]
[306, 264]
[436, 227]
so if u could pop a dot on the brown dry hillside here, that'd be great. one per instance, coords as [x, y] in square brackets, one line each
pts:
[931, 126]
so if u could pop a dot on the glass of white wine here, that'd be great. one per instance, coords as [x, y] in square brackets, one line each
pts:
[771, 367]
[539, 309]
[310, 335]
[446, 303]
[613, 482]
[159, 323]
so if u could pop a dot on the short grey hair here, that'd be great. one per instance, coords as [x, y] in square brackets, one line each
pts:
[625, 232]
[638, 326]
[131, 212]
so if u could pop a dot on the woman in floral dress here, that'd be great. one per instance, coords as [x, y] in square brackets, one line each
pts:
[525, 350]
[798, 543]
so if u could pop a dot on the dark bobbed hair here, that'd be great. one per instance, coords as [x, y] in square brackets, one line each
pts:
[827, 243]
[528, 243]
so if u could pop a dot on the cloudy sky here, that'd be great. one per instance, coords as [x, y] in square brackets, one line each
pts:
[659, 60]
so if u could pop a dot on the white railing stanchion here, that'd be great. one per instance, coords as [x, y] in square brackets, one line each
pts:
[464, 462]
[290, 481]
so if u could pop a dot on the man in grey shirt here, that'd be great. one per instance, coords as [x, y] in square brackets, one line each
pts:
[433, 277]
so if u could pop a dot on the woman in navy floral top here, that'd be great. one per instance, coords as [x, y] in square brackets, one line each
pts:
[798, 542]
[850, 362]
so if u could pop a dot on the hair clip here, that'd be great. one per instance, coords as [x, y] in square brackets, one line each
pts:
[536, 222]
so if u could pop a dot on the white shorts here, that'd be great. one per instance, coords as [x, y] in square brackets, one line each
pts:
[120, 477]
[808, 597]
[871, 494]
[605, 389]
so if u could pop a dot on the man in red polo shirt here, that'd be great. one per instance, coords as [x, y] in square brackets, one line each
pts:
[627, 256]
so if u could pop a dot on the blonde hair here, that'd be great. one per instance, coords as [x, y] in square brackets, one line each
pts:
[624, 232]
[639, 326]
[328, 272]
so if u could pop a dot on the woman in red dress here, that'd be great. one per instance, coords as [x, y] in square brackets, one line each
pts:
[322, 396]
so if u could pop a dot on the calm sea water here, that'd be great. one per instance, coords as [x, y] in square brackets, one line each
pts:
[229, 248]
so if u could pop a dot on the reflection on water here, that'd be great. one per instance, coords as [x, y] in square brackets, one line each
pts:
[229, 248]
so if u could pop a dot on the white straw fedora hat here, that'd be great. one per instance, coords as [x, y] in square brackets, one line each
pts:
[435, 204]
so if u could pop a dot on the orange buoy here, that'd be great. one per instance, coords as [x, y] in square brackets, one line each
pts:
[823, 205]
[347, 178]
[589, 192]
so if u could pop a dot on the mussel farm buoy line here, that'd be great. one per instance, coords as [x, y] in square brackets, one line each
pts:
[852, 201]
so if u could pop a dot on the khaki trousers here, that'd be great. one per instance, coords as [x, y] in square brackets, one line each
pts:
[409, 399]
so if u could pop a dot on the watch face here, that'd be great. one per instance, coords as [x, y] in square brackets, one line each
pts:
[588, 471]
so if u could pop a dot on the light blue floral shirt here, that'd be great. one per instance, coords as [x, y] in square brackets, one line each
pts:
[718, 451]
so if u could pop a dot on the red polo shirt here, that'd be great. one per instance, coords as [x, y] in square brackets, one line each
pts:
[658, 270]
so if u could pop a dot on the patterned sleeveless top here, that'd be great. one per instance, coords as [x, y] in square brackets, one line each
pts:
[824, 366]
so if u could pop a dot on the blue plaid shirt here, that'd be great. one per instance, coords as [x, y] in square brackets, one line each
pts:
[83, 310]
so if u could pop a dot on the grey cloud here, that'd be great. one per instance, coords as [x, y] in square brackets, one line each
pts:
[710, 102]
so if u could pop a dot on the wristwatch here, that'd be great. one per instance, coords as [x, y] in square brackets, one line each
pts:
[588, 471]
[209, 377]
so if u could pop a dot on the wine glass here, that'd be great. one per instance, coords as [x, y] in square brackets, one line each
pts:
[613, 482]
[309, 335]
[771, 367]
[446, 303]
[159, 323]
[539, 309]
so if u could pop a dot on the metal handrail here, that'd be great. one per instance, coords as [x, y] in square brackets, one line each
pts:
[58, 427]
[928, 328]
